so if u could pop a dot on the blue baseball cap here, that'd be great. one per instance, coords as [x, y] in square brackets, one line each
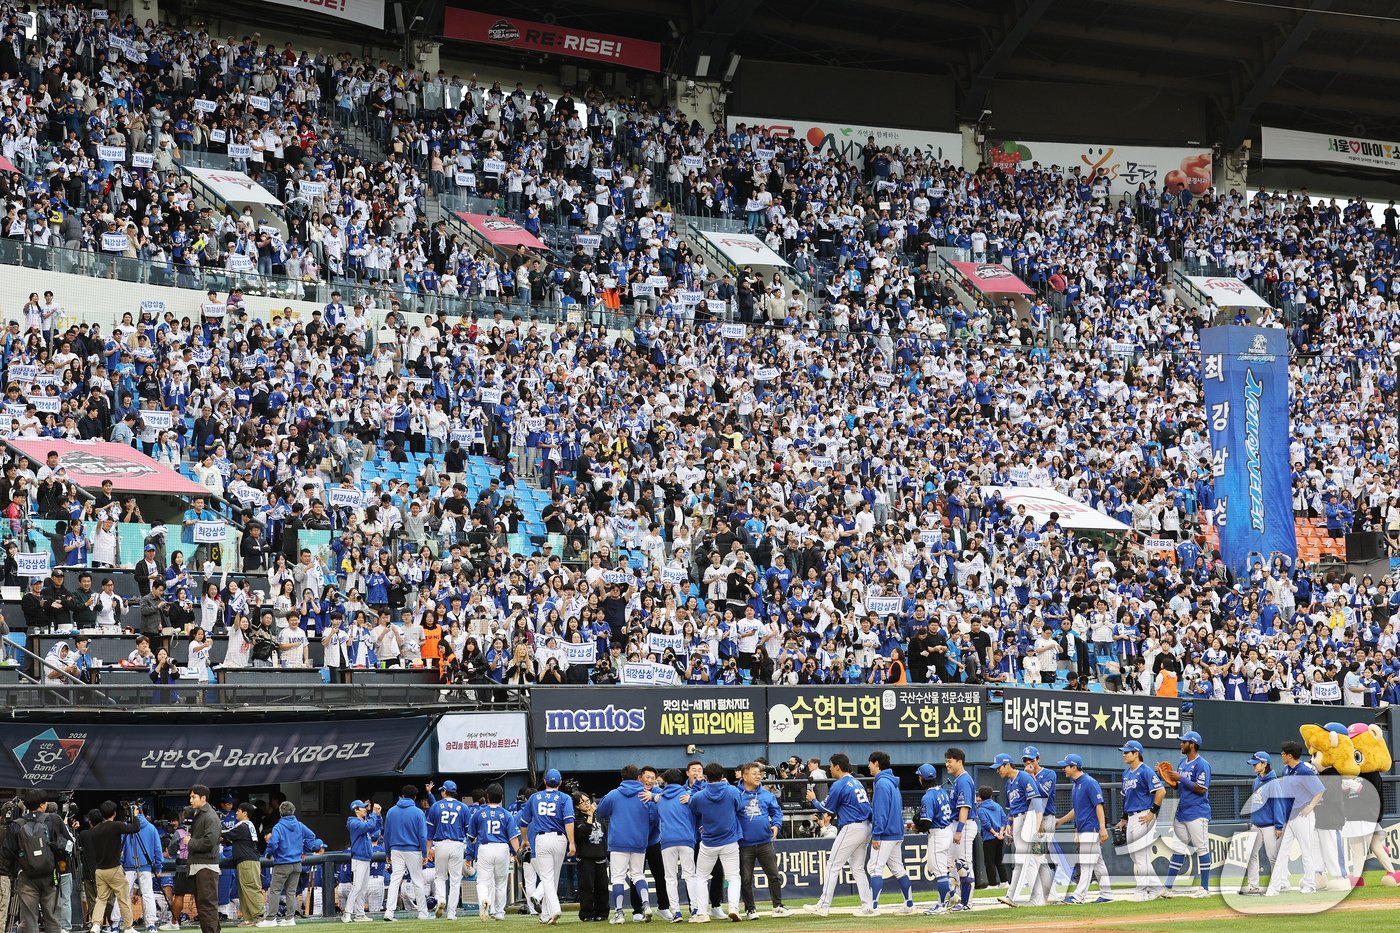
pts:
[927, 772]
[450, 786]
[1000, 760]
[552, 777]
[1029, 752]
[1133, 746]
[1258, 758]
[1192, 736]
[358, 805]
[1075, 760]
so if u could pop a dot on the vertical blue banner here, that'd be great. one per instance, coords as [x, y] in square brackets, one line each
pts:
[1245, 373]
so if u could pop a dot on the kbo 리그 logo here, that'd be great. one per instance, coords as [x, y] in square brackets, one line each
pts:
[46, 754]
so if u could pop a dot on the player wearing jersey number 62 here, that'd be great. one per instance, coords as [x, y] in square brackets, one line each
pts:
[547, 827]
[1192, 826]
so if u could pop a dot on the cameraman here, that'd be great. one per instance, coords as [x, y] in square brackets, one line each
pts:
[107, 844]
[32, 845]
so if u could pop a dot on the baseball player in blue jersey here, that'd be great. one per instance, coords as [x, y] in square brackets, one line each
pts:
[848, 802]
[887, 834]
[1266, 819]
[1024, 806]
[406, 842]
[1192, 825]
[936, 818]
[447, 847]
[548, 817]
[963, 800]
[364, 826]
[1090, 830]
[631, 821]
[1300, 790]
[1143, 793]
[494, 830]
[1043, 890]
[717, 806]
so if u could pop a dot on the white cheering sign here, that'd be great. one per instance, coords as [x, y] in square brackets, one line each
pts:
[674, 576]
[618, 577]
[664, 675]
[602, 173]
[589, 240]
[1157, 544]
[639, 674]
[240, 151]
[642, 290]
[534, 424]
[142, 160]
[213, 309]
[258, 102]
[342, 498]
[692, 162]
[766, 373]
[493, 166]
[23, 372]
[690, 296]
[490, 396]
[733, 331]
[882, 605]
[209, 532]
[884, 380]
[237, 262]
[658, 643]
[584, 653]
[48, 404]
[111, 153]
[218, 136]
[153, 306]
[158, 420]
[33, 565]
[465, 179]
[114, 242]
[765, 155]
[658, 281]
[204, 106]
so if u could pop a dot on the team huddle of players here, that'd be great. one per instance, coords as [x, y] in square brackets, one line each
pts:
[689, 825]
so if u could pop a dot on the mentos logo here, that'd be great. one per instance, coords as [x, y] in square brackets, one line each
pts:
[607, 719]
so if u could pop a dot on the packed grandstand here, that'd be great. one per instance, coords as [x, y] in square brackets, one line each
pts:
[531, 471]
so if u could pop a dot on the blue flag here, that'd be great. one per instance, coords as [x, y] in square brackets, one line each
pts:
[1245, 372]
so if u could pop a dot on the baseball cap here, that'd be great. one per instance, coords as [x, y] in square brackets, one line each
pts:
[927, 772]
[1192, 736]
[1029, 752]
[450, 786]
[1000, 760]
[1075, 760]
[226, 798]
[150, 547]
[358, 805]
[552, 777]
[1133, 746]
[1258, 758]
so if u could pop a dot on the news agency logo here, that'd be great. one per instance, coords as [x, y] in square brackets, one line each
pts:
[503, 30]
[43, 756]
[607, 719]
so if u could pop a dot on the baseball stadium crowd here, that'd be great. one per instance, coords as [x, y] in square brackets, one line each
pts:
[725, 507]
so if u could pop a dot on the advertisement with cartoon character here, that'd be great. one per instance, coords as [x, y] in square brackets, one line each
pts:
[922, 713]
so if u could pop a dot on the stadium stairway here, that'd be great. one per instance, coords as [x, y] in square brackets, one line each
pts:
[1313, 543]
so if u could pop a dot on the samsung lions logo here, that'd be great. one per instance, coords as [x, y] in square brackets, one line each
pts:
[46, 754]
[1258, 350]
[103, 467]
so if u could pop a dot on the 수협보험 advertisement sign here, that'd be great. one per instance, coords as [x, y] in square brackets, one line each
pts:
[917, 713]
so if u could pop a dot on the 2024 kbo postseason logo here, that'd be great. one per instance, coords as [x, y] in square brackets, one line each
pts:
[43, 756]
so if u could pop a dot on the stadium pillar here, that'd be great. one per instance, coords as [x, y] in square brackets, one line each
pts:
[142, 10]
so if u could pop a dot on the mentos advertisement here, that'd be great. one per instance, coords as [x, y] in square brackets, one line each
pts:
[1245, 371]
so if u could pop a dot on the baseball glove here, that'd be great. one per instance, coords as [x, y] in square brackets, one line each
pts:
[1120, 836]
[1164, 771]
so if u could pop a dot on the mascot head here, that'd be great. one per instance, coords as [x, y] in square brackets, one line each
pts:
[1331, 748]
[1373, 754]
